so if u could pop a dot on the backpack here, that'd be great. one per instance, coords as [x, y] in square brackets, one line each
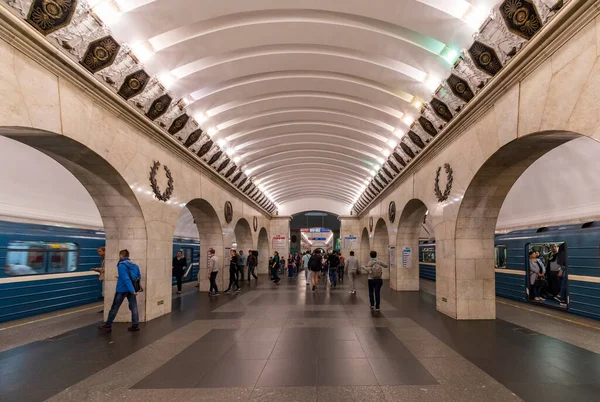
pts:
[137, 283]
[376, 271]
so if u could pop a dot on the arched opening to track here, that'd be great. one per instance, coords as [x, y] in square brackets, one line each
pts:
[210, 233]
[408, 248]
[72, 253]
[187, 242]
[365, 247]
[478, 274]
[243, 240]
[381, 244]
[264, 251]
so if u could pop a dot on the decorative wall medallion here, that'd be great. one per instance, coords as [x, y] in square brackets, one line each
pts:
[223, 165]
[244, 180]
[387, 172]
[193, 138]
[416, 139]
[409, 152]
[134, 84]
[392, 211]
[236, 177]
[399, 159]
[205, 147]
[441, 110]
[438, 193]
[460, 88]
[255, 223]
[427, 126]
[230, 171]
[228, 212]
[521, 17]
[371, 224]
[153, 183]
[215, 157]
[376, 180]
[485, 58]
[248, 186]
[178, 124]
[48, 16]
[159, 107]
[382, 178]
[394, 168]
[100, 54]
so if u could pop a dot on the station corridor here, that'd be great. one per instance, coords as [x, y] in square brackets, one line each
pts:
[285, 343]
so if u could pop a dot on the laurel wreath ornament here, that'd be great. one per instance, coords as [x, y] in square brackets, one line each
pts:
[438, 193]
[153, 183]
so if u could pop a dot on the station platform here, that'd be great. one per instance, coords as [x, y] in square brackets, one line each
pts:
[285, 343]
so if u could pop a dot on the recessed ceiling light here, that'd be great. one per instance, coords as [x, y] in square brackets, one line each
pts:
[393, 143]
[386, 152]
[433, 83]
[212, 131]
[108, 11]
[475, 16]
[367, 182]
[408, 120]
[237, 159]
[373, 173]
[222, 142]
[400, 132]
[417, 103]
[142, 51]
[200, 117]
[229, 151]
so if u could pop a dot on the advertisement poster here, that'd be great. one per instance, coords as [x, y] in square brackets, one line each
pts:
[407, 258]
[227, 257]
[392, 256]
[350, 243]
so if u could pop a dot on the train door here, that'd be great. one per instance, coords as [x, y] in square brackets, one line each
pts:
[547, 279]
[188, 253]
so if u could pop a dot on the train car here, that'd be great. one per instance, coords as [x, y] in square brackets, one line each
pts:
[427, 260]
[47, 268]
[191, 252]
[582, 280]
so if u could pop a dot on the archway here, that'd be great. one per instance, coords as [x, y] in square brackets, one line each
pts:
[381, 244]
[243, 239]
[478, 215]
[365, 247]
[409, 229]
[118, 205]
[263, 252]
[210, 234]
[187, 240]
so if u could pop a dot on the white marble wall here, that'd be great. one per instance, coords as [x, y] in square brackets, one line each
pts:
[35, 98]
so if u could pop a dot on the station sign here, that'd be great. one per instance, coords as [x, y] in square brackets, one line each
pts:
[315, 230]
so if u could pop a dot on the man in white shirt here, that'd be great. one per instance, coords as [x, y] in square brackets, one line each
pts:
[213, 270]
[307, 272]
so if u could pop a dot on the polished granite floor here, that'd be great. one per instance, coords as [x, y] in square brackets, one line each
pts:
[286, 343]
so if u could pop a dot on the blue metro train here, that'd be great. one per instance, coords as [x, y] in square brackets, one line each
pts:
[582, 246]
[47, 268]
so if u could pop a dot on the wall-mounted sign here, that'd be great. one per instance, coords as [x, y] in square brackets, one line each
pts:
[350, 243]
[279, 242]
[407, 258]
[392, 257]
[315, 230]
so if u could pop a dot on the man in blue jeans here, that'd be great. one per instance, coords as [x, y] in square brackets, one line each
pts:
[128, 272]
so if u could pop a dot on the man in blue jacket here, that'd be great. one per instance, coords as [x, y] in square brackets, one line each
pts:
[128, 271]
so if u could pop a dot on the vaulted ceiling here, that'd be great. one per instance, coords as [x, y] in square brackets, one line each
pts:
[298, 90]
[295, 101]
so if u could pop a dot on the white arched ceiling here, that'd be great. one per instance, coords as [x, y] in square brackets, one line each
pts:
[303, 93]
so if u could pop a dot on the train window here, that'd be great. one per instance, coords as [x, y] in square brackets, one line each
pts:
[38, 257]
[428, 254]
[500, 256]
[187, 253]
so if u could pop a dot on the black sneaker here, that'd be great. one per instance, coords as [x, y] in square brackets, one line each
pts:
[133, 328]
[216, 294]
[227, 292]
[372, 307]
[104, 328]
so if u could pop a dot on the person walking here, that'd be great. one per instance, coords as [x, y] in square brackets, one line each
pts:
[374, 269]
[341, 267]
[315, 264]
[251, 263]
[241, 265]
[213, 271]
[291, 265]
[274, 267]
[101, 252]
[128, 274]
[179, 267]
[307, 272]
[233, 272]
[333, 261]
[352, 266]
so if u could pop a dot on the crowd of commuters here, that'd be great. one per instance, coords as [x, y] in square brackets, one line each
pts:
[548, 274]
[330, 266]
